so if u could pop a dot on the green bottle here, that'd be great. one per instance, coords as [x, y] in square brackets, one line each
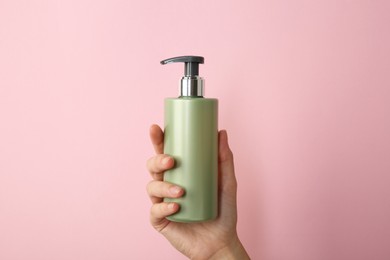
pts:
[191, 138]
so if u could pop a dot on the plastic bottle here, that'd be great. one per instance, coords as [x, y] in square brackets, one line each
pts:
[191, 138]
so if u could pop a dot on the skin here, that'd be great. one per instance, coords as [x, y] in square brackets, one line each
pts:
[215, 239]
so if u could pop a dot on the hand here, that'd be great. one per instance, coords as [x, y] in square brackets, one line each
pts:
[214, 239]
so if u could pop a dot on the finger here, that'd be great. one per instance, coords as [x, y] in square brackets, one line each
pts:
[225, 154]
[158, 164]
[157, 190]
[157, 138]
[160, 211]
[226, 162]
[227, 205]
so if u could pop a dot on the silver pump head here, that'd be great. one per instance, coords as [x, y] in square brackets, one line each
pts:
[191, 85]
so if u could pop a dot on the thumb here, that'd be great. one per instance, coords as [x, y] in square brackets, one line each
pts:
[226, 164]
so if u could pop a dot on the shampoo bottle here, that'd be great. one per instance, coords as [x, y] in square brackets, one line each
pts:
[191, 138]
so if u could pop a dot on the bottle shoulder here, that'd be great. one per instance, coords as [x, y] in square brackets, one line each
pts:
[190, 99]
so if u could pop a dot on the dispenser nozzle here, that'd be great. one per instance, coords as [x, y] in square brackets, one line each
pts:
[191, 64]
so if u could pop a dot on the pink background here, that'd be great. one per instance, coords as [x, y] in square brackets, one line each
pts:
[304, 91]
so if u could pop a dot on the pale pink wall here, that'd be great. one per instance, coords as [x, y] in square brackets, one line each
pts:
[304, 92]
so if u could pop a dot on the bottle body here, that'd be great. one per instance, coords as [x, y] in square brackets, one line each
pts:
[191, 138]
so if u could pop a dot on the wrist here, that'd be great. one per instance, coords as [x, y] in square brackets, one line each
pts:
[234, 250]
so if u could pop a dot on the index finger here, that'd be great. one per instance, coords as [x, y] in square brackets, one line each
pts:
[157, 138]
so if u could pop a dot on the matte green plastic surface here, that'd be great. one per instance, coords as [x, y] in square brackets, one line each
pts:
[191, 138]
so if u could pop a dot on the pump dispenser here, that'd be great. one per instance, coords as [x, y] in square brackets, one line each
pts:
[191, 138]
[191, 85]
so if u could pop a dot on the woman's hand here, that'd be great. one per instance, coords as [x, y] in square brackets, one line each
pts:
[216, 239]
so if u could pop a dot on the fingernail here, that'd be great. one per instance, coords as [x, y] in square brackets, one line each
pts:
[166, 160]
[174, 190]
[171, 205]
